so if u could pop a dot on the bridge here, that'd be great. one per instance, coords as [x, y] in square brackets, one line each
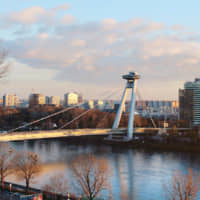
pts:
[45, 134]
[125, 134]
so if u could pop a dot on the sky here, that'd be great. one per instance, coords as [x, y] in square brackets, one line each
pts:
[86, 46]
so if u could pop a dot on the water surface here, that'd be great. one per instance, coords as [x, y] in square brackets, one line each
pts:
[135, 174]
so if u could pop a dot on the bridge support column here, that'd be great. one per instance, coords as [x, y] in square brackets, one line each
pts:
[132, 111]
[131, 84]
[120, 109]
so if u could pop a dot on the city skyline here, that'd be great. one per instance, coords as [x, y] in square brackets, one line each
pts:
[62, 97]
[85, 46]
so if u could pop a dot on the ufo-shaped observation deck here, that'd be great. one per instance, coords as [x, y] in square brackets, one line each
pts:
[131, 76]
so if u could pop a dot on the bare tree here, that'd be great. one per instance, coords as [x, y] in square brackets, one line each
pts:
[4, 66]
[58, 184]
[91, 175]
[183, 187]
[6, 153]
[27, 165]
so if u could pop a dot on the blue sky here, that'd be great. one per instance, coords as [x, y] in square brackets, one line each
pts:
[59, 46]
[172, 11]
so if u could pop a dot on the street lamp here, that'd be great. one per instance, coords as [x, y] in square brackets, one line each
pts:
[68, 196]
[10, 186]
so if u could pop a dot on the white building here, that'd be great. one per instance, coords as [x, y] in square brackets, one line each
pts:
[71, 98]
[10, 100]
[88, 104]
[54, 100]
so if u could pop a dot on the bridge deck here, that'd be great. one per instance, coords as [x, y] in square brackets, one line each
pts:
[31, 135]
[27, 135]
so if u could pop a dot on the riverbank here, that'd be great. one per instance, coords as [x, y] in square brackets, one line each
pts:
[171, 147]
[15, 191]
[162, 145]
[184, 144]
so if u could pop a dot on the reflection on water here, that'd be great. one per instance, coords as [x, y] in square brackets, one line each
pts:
[136, 174]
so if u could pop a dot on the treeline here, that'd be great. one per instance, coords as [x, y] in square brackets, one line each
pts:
[12, 118]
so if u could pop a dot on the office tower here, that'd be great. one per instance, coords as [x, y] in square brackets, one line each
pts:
[71, 98]
[37, 99]
[47, 100]
[54, 100]
[189, 103]
[10, 100]
[80, 98]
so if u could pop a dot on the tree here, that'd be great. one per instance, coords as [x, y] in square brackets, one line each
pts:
[6, 153]
[91, 175]
[27, 165]
[4, 66]
[58, 184]
[183, 187]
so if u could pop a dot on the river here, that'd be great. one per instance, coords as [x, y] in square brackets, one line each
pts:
[135, 174]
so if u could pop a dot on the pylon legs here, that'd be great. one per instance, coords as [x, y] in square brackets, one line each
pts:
[130, 85]
[131, 113]
[120, 110]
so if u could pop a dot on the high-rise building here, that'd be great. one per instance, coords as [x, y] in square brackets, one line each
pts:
[54, 100]
[10, 100]
[47, 100]
[189, 103]
[1, 102]
[71, 98]
[37, 99]
[80, 98]
[90, 104]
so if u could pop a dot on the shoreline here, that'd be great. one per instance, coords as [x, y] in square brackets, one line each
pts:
[145, 144]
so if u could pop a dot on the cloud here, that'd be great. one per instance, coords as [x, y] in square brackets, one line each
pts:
[62, 7]
[43, 36]
[108, 24]
[37, 15]
[68, 19]
[29, 16]
[100, 52]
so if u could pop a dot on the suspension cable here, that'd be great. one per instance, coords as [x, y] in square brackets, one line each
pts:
[76, 118]
[102, 119]
[43, 118]
[84, 113]
[46, 117]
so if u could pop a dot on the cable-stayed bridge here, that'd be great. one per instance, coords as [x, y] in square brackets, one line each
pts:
[125, 134]
[45, 134]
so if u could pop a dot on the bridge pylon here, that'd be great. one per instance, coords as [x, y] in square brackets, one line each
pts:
[131, 78]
